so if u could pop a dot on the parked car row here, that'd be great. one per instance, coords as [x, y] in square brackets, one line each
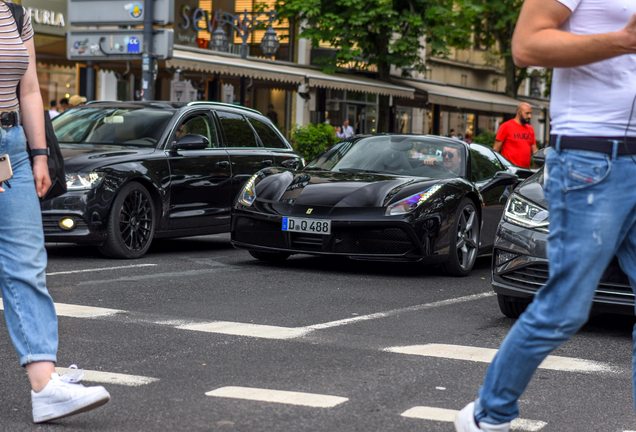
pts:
[143, 170]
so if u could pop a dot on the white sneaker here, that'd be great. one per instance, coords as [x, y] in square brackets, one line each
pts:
[63, 396]
[465, 422]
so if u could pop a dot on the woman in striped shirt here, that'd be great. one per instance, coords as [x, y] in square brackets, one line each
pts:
[28, 307]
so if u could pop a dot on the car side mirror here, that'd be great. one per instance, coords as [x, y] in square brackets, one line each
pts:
[191, 142]
[539, 157]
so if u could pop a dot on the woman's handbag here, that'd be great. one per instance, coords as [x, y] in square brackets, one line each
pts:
[55, 159]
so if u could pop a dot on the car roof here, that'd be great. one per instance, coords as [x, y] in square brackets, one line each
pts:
[170, 105]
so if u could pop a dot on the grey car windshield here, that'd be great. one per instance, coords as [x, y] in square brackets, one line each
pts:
[139, 127]
[400, 155]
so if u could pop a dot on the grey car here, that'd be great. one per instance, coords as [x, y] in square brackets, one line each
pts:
[520, 265]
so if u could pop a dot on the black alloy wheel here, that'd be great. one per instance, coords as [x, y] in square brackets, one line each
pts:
[270, 256]
[131, 223]
[464, 241]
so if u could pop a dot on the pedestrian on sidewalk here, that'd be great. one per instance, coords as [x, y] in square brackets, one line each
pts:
[590, 183]
[515, 138]
[28, 307]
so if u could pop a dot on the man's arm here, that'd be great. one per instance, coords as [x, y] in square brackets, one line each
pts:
[537, 41]
[534, 148]
[497, 146]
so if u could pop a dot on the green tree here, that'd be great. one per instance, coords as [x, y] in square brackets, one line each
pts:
[312, 140]
[381, 33]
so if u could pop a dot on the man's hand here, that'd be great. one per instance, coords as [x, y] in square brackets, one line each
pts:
[41, 175]
[430, 161]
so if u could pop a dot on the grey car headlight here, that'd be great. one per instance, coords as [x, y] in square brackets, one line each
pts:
[522, 212]
[80, 181]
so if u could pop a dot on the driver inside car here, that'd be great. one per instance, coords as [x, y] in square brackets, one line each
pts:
[451, 159]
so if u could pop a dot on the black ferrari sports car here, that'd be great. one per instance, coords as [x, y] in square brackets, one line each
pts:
[520, 264]
[379, 197]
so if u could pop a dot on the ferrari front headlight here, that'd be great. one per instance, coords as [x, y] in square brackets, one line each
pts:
[248, 193]
[411, 203]
[79, 181]
[522, 212]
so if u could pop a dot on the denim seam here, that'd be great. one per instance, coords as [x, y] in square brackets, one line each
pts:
[9, 287]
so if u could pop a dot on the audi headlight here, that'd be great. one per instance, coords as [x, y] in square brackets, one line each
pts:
[412, 202]
[521, 212]
[248, 194]
[79, 181]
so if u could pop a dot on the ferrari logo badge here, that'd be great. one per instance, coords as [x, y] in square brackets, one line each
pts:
[309, 210]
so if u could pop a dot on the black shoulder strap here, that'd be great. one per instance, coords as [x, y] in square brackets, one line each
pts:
[18, 14]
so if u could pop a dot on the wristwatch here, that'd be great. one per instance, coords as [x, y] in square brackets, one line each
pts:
[40, 152]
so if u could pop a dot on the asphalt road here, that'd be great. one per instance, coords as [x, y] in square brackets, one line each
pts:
[189, 336]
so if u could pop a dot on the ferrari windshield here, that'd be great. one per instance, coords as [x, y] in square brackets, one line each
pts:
[139, 127]
[398, 154]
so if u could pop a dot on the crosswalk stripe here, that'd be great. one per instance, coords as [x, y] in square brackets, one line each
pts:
[448, 415]
[112, 378]
[278, 396]
[78, 311]
[486, 355]
[251, 330]
[99, 269]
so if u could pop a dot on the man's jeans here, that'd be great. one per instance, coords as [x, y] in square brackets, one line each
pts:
[592, 204]
[28, 307]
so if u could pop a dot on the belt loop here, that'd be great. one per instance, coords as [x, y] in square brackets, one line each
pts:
[557, 144]
[615, 149]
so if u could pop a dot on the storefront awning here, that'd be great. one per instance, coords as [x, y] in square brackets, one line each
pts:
[204, 60]
[467, 99]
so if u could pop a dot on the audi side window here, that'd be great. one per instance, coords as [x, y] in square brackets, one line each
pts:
[201, 125]
[268, 136]
[238, 131]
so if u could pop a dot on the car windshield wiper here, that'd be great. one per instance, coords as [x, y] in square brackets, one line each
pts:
[363, 170]
[314, 169]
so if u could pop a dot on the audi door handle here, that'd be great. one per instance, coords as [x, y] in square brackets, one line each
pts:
[268, 162]
[223, 164]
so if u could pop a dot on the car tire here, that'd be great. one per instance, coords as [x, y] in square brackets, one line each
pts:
[510, 306]
[131, 223]
[464, 240]
[270, 256]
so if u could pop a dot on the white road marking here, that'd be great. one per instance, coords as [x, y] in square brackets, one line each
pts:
[167, 275]
[278, 396]
[400, 311]
[78, 311]
[99, 269]
[251, 330]
[486, 355]
[112, 378]
[447, 415]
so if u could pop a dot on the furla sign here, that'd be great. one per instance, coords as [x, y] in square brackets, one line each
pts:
[47, 16]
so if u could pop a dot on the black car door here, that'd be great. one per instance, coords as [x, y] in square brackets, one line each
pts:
[494, 183]
[273, 141]
[200, 180]
[247, 156]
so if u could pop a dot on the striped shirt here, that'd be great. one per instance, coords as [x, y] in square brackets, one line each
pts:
[14, 57]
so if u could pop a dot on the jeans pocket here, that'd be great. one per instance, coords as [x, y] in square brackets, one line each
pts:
[584, 169]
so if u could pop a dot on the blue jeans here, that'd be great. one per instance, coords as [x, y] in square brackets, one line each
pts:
[28, 307]
[592, 207]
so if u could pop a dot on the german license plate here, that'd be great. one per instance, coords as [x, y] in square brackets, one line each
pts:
[313, 226]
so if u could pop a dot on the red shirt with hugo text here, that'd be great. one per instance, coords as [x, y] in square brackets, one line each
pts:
[517, 142]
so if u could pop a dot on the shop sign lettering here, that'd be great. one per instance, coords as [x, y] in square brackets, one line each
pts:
[46, 17]
[191, 20]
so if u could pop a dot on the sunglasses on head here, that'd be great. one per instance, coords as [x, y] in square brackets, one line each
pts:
[449, 154]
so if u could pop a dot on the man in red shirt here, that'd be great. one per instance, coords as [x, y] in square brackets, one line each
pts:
[515, 139]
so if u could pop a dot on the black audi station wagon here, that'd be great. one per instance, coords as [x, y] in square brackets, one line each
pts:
[142, 170]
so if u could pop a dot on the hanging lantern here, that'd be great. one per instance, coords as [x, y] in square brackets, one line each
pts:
[219, 40]
[270, 42]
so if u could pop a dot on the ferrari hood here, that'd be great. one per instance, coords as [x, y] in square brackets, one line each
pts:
[338, 189]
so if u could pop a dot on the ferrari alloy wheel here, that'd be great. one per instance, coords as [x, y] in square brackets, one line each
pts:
[270, 256]
[131, 223]
[464, 240]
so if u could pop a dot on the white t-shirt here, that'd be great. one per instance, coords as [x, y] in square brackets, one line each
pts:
[595, 99]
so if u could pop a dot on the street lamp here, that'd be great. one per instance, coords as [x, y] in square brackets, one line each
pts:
[244, 28]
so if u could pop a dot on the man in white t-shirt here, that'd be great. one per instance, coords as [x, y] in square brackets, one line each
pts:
[589, 186]
[347, 130]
